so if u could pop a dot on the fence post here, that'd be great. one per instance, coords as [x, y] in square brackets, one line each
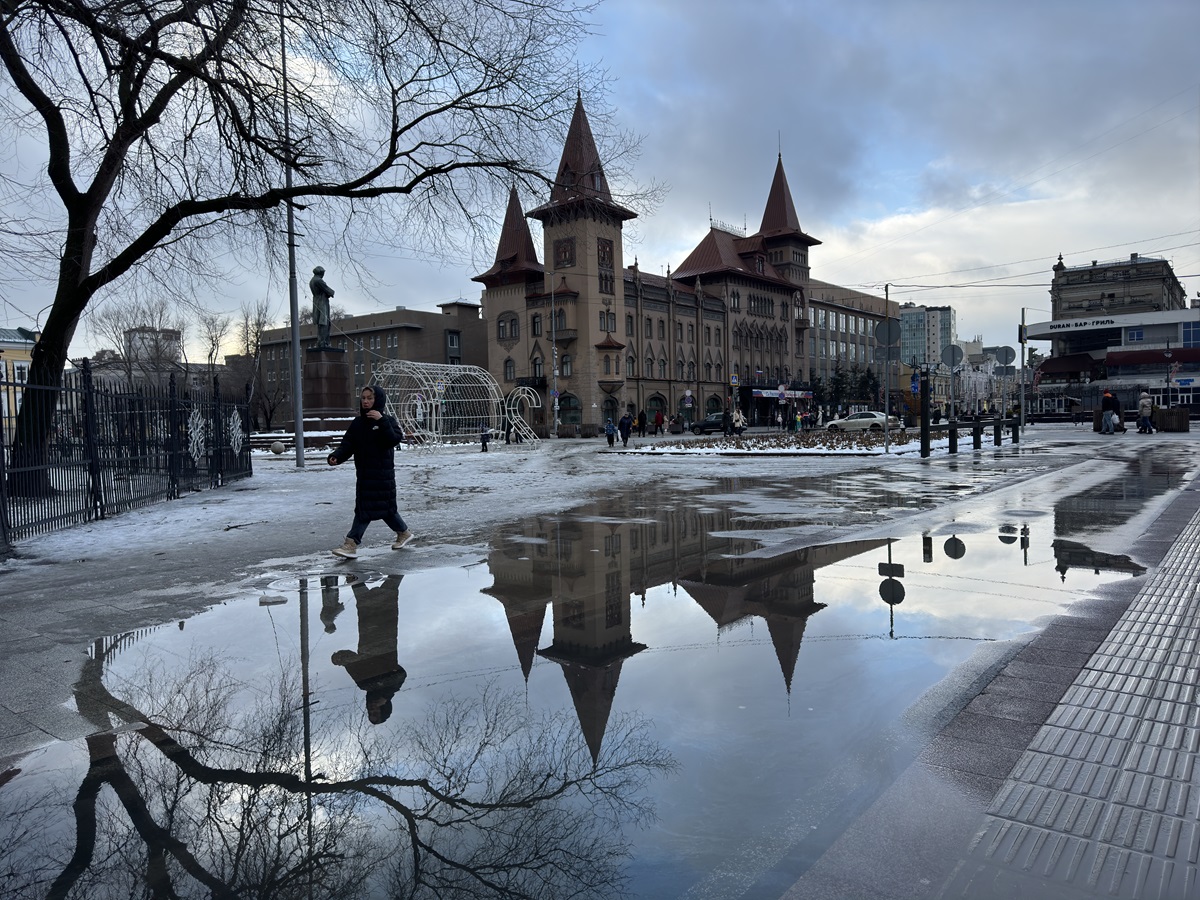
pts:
[953, 431]
[977, 435]
[1016, 430]
[91, 444]
[216, 461]
[997, 430]
[5, 542]
[173, 448]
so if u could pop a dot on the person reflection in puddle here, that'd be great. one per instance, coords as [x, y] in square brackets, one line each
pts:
[374, 666]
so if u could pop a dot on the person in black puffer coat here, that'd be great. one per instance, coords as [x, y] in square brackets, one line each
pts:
[371, 439]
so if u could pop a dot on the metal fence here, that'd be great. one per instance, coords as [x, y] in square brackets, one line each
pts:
[86, 450]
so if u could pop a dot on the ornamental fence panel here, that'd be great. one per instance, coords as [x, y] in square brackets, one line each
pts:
[88, 450]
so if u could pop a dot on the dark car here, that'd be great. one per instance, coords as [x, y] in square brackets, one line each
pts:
[711, 423]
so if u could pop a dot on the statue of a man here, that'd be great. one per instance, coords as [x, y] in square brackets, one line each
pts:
[321, 293]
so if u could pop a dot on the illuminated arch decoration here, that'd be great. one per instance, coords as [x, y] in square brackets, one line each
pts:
[439, 404]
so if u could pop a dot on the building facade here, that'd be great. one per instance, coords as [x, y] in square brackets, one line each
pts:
[736, 320]
[926, 331]
[16, 356]
[1122, 325]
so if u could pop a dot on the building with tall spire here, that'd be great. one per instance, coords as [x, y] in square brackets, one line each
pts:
[736, 320]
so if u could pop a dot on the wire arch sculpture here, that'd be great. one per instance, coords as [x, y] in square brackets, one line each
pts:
[438, 404]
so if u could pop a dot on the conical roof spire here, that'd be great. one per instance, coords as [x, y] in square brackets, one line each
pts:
[780, 215]
[515, 252]
[580, 173]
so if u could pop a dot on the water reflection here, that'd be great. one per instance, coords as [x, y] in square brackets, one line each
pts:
[1111, 503]
[192, 784]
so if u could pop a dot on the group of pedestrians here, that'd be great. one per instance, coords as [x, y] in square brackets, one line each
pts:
[1112, 421]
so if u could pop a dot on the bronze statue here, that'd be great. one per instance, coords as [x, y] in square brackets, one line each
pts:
[321, 294]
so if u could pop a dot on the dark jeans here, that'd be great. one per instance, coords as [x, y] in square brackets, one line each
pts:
[392, 520]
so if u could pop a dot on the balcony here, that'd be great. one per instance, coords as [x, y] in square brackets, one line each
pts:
[532, 381]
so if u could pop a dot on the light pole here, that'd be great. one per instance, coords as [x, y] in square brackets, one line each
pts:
[1167, 357]
[293, 299]
[554, 353]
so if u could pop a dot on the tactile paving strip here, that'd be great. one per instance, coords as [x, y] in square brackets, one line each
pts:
[1105, 802]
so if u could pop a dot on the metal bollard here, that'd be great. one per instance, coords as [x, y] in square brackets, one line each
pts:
[997, 431]
[954, 437]
[1016, 430]
[977, 435]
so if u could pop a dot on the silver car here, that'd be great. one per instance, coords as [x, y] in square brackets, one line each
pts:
[863, 421]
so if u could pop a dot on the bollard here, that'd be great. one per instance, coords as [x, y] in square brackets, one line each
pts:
[953, 436]
[1016, 430]
[977, 435]
[997, 431]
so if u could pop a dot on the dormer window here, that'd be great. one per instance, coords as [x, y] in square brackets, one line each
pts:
[760, 264]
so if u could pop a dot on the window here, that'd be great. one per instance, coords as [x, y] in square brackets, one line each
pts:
[629, 366]
[691, 333]
[514, 327]
[691, 371]
[510, 370]
[452, 340]
[707, 335]
[662, 368]
[649, 367]
[560, 320]
[535, 325]
[662, 330]
[679, 331]
[612, 321]
[20, 372]
[649, 327]
[679, 369]
[538, 369]
[708, 371]
[717, 334]
[607, 364]
[1191, 334]
[629, 326]
[603, 320]
[1136, 334]
[719, 372]
[566, 365]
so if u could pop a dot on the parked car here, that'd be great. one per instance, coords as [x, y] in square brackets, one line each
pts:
[710, 423]
[863, 421]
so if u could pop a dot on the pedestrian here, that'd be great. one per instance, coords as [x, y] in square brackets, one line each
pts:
[739, 422]
[726, 423]
[610, 432]
[658, 422]
[371, 440]
[375, 665]
[1107, 405]
[1118, 416]
[779, 420]
[484, 434]
[1145, 411]
[642, 423]
[625, 426]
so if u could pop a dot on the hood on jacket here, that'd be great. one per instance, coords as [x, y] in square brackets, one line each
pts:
[380, 400]
[1144, 396]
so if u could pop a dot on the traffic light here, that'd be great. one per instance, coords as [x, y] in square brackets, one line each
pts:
[1022, 334]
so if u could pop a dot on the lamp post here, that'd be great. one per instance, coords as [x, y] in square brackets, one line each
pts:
[293, 299]
[553, 354]
[1167, 357]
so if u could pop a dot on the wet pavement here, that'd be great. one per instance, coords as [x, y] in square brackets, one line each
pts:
[726, 689]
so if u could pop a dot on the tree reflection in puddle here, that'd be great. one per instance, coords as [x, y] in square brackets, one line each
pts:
[202, 781]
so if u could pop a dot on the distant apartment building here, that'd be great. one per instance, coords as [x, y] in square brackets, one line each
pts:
[16, 355]
[925, 331]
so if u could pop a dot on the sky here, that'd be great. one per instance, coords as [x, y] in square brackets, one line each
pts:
[949, 149]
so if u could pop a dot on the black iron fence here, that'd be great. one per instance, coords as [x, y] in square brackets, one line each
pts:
[87, 450]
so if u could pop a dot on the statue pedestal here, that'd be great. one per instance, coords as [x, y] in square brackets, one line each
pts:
[327, 385]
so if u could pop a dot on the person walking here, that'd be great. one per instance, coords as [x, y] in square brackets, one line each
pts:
[1145, 411]
[726, 423]
[484, 434]
[625, 426]
[739, 422]
[642, 423]
[610, 432]
[1108, 406]
[371, 440]
[1118, 416]
[658, 422]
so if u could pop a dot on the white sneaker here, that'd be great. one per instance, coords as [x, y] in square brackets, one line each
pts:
[402, 538]
[348, 550]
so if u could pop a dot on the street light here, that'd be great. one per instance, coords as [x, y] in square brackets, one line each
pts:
[554, 353]
[1167, 357]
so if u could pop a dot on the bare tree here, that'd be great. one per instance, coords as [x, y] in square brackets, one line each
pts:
[166, 134]
[214, 329]
[147, 336]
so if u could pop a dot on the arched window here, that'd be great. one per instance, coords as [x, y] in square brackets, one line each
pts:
[691, 371]
[691, 332]
[629, 326]
[649, 327]
[629, 367]
[560, 319]
[607, 364]
[569, 410]
[501, 329]
[679, 369]
[662, 368]
[649, 367]
[566, 365]
[510, 370]
[535, 325]
[679, 331]
[719, 372]
[538, 371]
[708, 371]
[514, 328]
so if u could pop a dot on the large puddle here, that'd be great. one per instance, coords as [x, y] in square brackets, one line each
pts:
[636, 695]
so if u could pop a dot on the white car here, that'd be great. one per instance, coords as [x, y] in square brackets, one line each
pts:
[863, 421]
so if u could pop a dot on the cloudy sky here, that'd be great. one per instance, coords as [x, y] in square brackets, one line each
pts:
[952, 149]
